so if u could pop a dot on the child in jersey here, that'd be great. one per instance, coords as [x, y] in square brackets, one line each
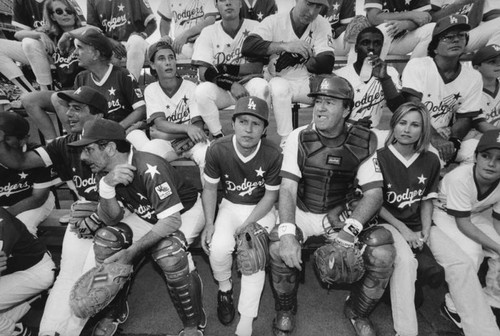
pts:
[411, 176]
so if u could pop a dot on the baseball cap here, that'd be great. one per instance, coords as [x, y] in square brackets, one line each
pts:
[486, 53]
[253, 106]
[155, 47]
[12, 124]
[490, 139]
[99, 129]
[87, 95]
[95, 37]
[334, 86]
[452, 21]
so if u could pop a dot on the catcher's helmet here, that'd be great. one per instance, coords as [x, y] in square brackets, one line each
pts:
[334, 86]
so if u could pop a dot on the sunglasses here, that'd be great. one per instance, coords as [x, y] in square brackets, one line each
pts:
[60, 11]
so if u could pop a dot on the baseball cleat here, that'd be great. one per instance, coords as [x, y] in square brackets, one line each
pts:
[225, 307]
[283, 323]
[363, 326]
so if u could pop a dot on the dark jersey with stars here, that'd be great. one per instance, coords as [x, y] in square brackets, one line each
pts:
[120, 89]
[398, 5]
[407, 183]
[244, 179]
[259, 10]
[67, 163]
[157, 190]
[119, 18]
[339, 14]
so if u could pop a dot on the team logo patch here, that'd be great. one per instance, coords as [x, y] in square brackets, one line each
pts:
[138, 93]
[163, 190]
[334, 160]
[376, 165]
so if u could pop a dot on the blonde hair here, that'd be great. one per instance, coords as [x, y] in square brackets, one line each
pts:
[53, 28]
[423, 142]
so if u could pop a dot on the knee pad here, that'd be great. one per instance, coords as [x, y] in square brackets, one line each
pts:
[258, 87]
[284, 283]
[111, 239]
[172, 256]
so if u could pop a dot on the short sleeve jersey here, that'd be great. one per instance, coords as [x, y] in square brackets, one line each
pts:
[393, 6]
[460, 97]
[185, 13]
[120, 89]
[368, 175]
[490, 110]
[176, 109]
[24, 249]
[119, 18]
[66, 162]
[259, 10]
[339, 14]
[215, 46]
[244, 179]
[407, 183]
[157, 191]
[278, 28]
[369, 99]
[458, 194]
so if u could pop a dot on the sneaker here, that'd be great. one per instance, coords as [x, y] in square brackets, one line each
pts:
[225, 307]
[363, 326]
[108, 325]
[452, 316]
[22, 330]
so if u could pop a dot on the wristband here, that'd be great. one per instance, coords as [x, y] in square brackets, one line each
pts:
[343, 243]
[143, 35]
[105, 190]
[352, 227]
[286, 228]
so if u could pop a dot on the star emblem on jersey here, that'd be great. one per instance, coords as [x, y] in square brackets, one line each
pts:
[23, 175]
[260, 16]
[246, 32]
[112, 91]
[389, 185]
[407, 2]
[336, 6]
[121, 7]
[152, 170]
[457, 96]
[260, 172]
[132, 78]
[421, 179]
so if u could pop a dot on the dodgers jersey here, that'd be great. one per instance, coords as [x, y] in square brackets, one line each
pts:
[185, 13]
[369, 99]
[490, 110]
[259, 10]
[458, 194]
[244, 179]
[278, 28]
[339, 14]
[119, 18]
[398, 5]
[421, 78]
[407, 183]
[120, 89]
[176, 109]
[214, 46]
[157, 190]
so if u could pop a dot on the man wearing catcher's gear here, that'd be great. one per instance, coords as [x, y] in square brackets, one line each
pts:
[248, 167]
[322, 162]
[163, 210]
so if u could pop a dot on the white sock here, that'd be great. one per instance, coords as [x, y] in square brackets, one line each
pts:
[244, 327]
[225, 286]
[449, 303]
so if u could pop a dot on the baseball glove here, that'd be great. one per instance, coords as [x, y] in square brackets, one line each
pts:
[84, 220]
[182, 145]
[339, 263]
[97, 288]
[357, 24]
[287, 59]
[252, 249]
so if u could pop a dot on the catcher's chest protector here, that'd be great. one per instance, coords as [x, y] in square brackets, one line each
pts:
[329, 166]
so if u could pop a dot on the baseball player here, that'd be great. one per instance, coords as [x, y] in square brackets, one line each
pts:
[466, 217]
[26, 193]
[339, 15]
[188, 19]
[166, 213]
[127, 23]
[258, 10]
[299, 46]
[318, 174]
[26, 269]
[171, 110]
[369, 99]
[248, 167]
[406, 26]
[226, 74]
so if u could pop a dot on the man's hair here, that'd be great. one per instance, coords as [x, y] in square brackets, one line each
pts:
[122, 146]
[371, 29]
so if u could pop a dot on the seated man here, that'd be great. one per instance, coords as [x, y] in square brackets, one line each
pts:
[26, 270]
[166, 216]
[298, 43]
[226, 74]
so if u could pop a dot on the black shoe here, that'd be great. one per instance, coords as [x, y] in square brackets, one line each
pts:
[496, 312]
[451, 316]
[225, 307]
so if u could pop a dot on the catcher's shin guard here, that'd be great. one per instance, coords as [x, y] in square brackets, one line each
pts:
[285, 285]
[379, 258]
[184, 287]
[110, 239]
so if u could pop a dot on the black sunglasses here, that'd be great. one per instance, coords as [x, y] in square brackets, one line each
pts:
[60, 11]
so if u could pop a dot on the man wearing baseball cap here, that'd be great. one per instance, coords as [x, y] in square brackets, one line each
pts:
[248, 167]
[167, 212]
[466, 217]
[321, 162]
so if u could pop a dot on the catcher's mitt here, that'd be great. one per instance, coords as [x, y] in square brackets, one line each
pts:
[287, 59]
[357, 24]
[182, 145]
[97, 288]
[84, 220]
[252, 249]
[339, 263]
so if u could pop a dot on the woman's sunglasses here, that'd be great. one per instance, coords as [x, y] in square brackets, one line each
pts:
[60, 11]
